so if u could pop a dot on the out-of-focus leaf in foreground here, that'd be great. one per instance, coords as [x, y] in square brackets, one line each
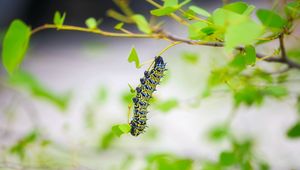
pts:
[31, 84]
[15, 45]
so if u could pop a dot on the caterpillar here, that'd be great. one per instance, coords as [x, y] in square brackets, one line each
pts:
[144, 93]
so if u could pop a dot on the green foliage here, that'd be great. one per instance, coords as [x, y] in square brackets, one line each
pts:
[31, 84]
[92, 23]
[15, 45]
[292, 9]
[112, 135]
[133, 57]
[237, 7]
[22, 145]
[227, 158]
[199, 11]
[119, 26]
[59, 19]
[218, 133]
[167, 162]
[121, 129]
[294, 131]
[169, 7]
[189, 57]
[167, 105]
[127, 97]
[271, 19]
[142, 23]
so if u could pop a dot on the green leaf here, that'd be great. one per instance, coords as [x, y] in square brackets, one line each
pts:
[91, 23]
[250, 55]
[119, 26]
[222, 17]
[199, 11]
[142, 23]
[249, 95]
[133, 57]
[237, 7]
[102, 94]
[292, 9]
[170, 3]
[275, 91]
[107, 140]
[31, 84]
[271, 19]
[227, 158]
[298, 105]
[127, 97]
[121, 129]
[59, 19]
[163, 11]
[244, 33]
[294, 131]
[189, 57]
[15, 45]
[195, 32]
[218, 133]
[166, 106]
[20, 147]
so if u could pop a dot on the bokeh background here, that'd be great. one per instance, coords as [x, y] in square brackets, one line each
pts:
[87, 79]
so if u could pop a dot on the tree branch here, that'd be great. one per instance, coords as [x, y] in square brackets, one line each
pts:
[166, 36]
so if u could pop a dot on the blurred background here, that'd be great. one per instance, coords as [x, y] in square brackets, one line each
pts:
[74, 87]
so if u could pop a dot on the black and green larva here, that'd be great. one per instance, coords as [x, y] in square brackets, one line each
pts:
[144, 93]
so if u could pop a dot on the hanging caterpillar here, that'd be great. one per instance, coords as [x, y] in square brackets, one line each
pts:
[144, 93]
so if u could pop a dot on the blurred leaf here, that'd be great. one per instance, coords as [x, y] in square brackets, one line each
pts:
[263, 166]
[119, 26]
[30, 83]
[167, 162]
[292, 9]
[107, 140]
[270, 18]
[237, 7]
[167, 105]
[249, 95]
[170, 3]
[211, 166]
[275, 91]
[298, 105]
[250, 55]
[244, 33]
[163, 11]
[195, 30]
[127, 97]
[199, 11]
[294, 131]
[116, 131]
[20, 147]
[133, 57]
[227, 158]
[294, 54]
[121, 129]
[15, 45]
[89, 118]
[282, 78]
[189, 57]
[218, 133]
[142, 23]
[91, 23]
[222, 17]
[59, 19]
[102, 94]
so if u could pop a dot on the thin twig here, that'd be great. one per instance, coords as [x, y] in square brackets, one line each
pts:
[166, 36]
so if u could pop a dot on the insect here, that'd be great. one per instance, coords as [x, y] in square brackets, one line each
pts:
[144, 93]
